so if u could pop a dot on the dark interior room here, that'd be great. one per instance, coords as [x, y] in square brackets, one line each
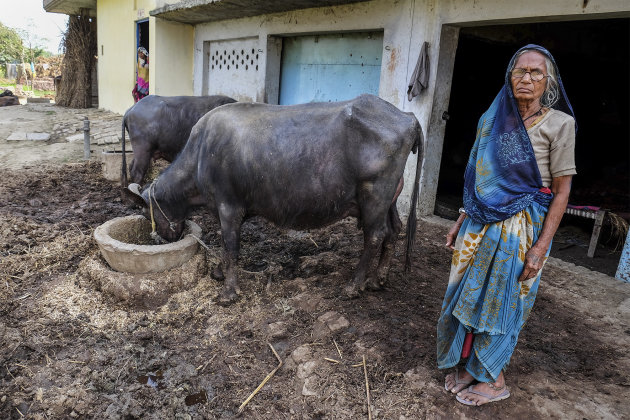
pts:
[593, 58]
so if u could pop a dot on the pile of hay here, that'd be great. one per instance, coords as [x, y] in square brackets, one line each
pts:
[80, 50]
[48, 67]
[618, 230]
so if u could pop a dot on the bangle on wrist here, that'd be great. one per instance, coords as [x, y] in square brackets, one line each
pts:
[462, 210]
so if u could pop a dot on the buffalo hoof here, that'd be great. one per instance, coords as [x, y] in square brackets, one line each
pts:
[227, 298]
[351, 291]
[373, 284]
[217, 273]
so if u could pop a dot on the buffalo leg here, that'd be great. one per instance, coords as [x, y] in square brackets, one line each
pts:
[394, 226]
[372, 239]
[374, 219]
[140, 163]
[231, 221]
[217, 273]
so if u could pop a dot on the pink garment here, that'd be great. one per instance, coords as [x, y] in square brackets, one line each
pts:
[593, 208]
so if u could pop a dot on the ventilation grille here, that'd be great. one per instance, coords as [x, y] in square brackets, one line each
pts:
[234, 60]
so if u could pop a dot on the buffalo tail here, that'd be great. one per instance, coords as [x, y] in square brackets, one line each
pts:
[123, 170]
[412, 220]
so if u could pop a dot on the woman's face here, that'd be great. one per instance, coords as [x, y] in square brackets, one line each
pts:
[524, 88]
[142, 56]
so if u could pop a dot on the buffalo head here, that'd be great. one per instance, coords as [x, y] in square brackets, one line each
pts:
[166, 225]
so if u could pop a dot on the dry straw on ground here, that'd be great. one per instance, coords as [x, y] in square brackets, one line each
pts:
[619, 229]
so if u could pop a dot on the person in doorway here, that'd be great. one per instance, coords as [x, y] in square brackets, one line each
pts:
[142, 80]
[516, 189]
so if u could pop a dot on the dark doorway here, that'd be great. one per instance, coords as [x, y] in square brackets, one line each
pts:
[141, 77]
[143, 34]
[593, 58]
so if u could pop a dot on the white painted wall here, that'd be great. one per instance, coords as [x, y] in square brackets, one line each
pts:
[116, 37]
[361, 16]
[172, 51]
[162, 3]
[406, 24]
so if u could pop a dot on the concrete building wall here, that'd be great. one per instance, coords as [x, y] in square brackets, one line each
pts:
[162, 3]
[354, 17]
[170, 53]
[485, 12]
[116, 37]
[172, 49]
[116, 51]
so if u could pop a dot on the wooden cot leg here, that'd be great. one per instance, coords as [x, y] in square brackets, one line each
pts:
[599, 220]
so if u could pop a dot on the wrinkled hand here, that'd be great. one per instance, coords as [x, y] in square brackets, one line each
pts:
[452, 235]
[534, 259]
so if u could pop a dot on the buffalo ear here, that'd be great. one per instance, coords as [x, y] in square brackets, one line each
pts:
[132, 196]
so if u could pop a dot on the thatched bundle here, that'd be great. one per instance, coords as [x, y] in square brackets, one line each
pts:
[48, 66]
[75, 89]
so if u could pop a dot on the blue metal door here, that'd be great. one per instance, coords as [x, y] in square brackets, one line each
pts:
[330, 68]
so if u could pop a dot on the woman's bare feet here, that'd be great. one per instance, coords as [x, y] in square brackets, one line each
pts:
[458, 380]
[484, 392]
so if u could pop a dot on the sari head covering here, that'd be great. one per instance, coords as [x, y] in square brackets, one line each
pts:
[143, 51]
[502, 177]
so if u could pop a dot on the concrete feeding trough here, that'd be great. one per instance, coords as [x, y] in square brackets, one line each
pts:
[142, 291]
[112, 163]
[127, 246]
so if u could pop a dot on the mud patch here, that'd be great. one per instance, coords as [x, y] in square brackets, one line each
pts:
[68, 349]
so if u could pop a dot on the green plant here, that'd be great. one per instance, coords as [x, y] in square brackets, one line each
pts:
[11, 45]
[6, 84]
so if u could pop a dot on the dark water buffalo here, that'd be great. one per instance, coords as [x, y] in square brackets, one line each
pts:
[159, 127]
[301, 166]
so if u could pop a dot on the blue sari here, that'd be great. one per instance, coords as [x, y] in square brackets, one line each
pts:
[505, 211]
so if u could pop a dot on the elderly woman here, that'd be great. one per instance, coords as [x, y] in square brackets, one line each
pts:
[516, 188]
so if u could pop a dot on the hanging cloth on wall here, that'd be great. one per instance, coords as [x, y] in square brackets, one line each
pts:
[420, 77]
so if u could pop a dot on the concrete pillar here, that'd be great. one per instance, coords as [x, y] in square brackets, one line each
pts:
[437, 122]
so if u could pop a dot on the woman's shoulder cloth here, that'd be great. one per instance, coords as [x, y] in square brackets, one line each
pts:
[560, 117]
[556, 127]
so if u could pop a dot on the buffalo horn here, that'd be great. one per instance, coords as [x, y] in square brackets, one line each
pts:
[134, 188]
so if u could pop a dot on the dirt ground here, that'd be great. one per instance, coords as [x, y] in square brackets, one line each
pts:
[68, 349]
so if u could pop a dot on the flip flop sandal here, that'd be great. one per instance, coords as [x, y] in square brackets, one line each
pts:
[458, 382]
[502, 396]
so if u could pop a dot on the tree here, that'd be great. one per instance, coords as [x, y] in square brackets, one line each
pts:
[32, 43]
[11, 45]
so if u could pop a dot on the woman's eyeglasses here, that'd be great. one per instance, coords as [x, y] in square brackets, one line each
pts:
[535, 75]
